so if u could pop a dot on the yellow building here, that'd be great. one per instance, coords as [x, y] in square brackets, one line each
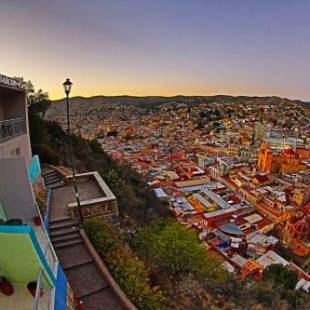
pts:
[286, 162]
[301, 196]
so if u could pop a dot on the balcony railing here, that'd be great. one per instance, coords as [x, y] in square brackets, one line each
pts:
[43, 297]
[46, 245]
[12, 127]
[44, 302]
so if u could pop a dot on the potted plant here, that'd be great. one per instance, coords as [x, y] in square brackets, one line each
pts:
[37, 220]
[79, 304]
[6, 287]
[32, 287]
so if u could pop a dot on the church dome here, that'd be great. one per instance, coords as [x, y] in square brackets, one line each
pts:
[301, 229]
[289, 152]
[306, 209]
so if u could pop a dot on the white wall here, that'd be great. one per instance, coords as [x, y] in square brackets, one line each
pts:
[22, 142]
[15, 189]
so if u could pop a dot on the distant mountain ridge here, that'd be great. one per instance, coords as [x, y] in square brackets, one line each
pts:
[125, 99]
[151, 101]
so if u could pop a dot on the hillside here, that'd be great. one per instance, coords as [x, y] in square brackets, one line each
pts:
[78, 103]
[160, 258]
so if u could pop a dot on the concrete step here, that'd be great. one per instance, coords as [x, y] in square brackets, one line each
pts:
[59, 219]
[73, 255]
[77, 264]
[64, 232]
[66, 244]
[62, 224]
[68, 237]
[93, 291]
[52, 178]
[86, 279]
[104, 297]
[48, 173]
[55, 185]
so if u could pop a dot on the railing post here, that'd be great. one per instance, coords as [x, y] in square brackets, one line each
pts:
[47, 210]
[38, 292]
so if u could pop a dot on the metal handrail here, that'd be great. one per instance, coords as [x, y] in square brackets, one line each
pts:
[12, 127]
[12, 119]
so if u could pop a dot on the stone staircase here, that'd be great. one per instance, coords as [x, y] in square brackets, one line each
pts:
[64, 232]
[52, 179]
[81, 270]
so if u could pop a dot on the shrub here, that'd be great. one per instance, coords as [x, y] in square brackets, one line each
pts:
[130, 272]
[178, 251]
[46, 153]
[281, 275]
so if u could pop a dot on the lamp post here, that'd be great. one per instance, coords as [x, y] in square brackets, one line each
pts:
[67, 87]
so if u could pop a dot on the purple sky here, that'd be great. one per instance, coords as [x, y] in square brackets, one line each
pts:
[159, 47]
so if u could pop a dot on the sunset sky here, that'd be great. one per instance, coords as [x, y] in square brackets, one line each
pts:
[159, 47]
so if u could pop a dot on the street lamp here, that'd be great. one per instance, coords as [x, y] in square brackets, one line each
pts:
[67, 87]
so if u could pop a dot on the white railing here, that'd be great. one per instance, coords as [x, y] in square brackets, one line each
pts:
[46, 245]
[43, 297]
[38, 291]
[44, 302]
[12, 127]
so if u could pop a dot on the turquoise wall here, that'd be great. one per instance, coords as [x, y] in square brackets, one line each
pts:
[34, 169]
[2, 213]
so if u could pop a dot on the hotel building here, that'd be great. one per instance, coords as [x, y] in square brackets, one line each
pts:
[30, 274]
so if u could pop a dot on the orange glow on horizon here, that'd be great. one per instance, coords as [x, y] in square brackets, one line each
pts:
[88, 85]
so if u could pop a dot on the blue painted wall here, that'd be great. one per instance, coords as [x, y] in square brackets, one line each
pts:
[61, 290]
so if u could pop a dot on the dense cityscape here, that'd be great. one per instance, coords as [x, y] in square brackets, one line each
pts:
[154, 155]
[237, 173]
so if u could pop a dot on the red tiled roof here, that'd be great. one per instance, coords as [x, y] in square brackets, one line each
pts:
[261, 178]
[234, 198]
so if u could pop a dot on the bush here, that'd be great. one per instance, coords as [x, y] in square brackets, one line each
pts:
[130, 272]
[178, 251]
[95, 146]
[46, 153]
[281, 275]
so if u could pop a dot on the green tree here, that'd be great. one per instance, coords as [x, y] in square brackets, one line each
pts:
[280, 274]
[178, 251]
[38, 103]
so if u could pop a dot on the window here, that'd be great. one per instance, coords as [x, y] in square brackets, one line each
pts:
[15, 152]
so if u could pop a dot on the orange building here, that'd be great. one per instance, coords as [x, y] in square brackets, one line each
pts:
[303, 153]
[301, 196]
[289, 161]
[252, 268]
[296, 235]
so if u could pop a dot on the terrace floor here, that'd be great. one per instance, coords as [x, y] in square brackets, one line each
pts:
[61, 196]
[22, 300]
